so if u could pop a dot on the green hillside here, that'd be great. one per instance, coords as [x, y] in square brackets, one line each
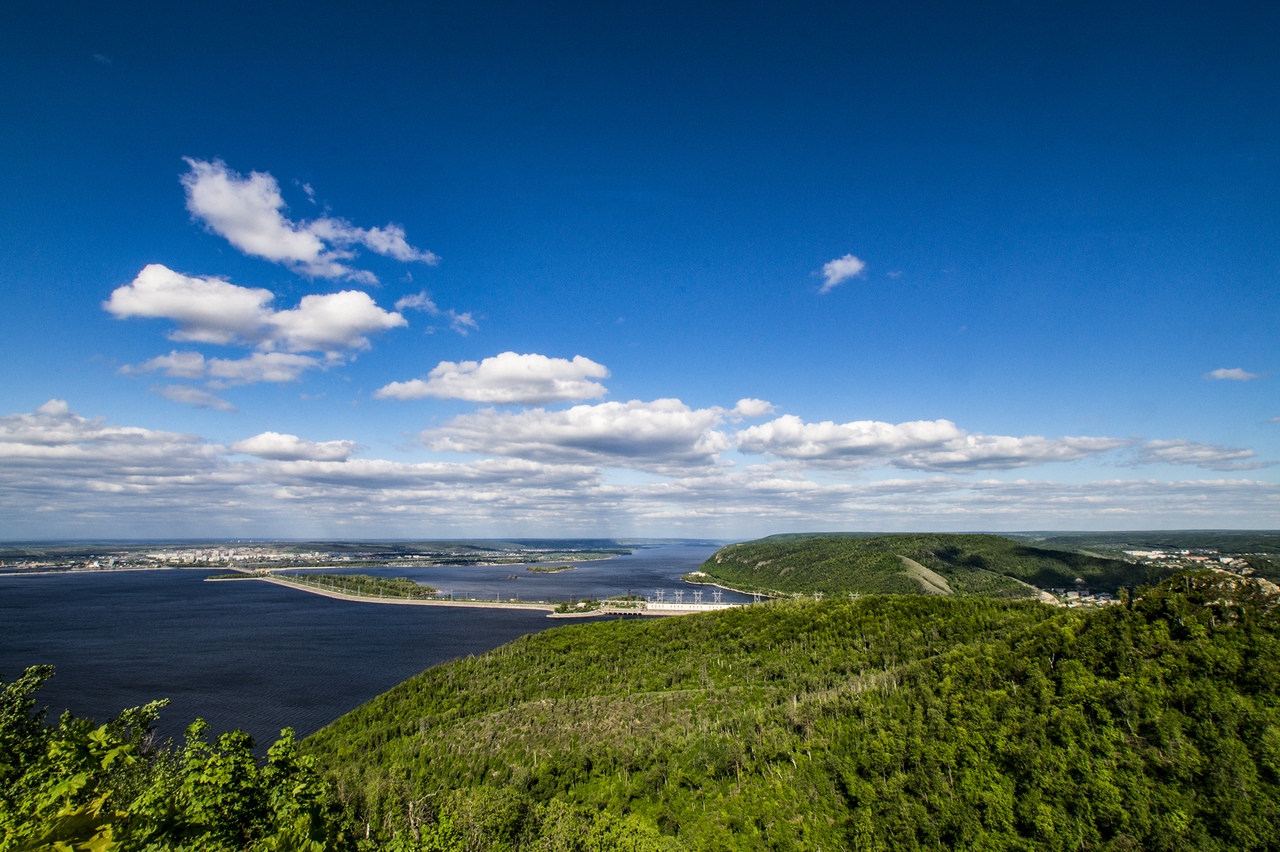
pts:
[985, 565]
[882, 723]
[879, 723]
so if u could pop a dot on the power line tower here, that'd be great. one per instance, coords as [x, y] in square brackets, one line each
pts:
[717, 595]
[679, 595]
[697, 596]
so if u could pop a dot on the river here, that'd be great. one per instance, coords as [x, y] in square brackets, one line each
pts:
[261, 657]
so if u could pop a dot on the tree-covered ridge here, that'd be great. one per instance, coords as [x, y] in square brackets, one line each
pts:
[661, 718]
[986, 565]
[1233, 541]
[881, 723]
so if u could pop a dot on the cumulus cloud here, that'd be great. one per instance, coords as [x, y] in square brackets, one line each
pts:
[1234, 374]
[66, 475]
[54, 408]
[1208, 456]
[659, 436]
[63, 475]
[211, 310]
[919, 445]
[194, 397]
[53, 432]
[750, 409]
[506, 378]
[840, 270]
[249, 213]
[281, 447]
[206, 310]
[332, 322]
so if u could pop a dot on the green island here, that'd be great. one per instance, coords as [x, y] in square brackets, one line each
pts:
[548, 569]
[362, 585]
[960, 565]
[850, 720]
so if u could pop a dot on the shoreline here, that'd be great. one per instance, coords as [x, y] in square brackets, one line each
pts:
[341, 566]
[82, 571]
[548, 608]
[765, 596]
[343, 596]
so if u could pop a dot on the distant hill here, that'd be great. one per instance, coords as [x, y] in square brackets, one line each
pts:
[963, 565]
[1227, 541]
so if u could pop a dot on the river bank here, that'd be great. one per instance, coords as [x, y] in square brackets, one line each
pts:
[345, 596]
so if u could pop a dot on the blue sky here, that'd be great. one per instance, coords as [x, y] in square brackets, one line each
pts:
[446, 269]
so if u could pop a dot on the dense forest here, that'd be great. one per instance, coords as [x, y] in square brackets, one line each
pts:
[963, 565]
[363, 585]
[882, 722]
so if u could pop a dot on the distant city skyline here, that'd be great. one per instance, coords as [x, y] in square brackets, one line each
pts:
[442, 271]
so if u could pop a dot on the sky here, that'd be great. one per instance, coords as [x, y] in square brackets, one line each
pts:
[713, 270]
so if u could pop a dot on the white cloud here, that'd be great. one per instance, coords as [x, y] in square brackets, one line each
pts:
[54, 432]
[462, 323]
[194, 397]
[662, 435]
[67, 476]
[210, 310]
[332, 322]
[919, 445]
[278, 367]
[419, 302]
[259, 367]
[1003, 452]
[1209, 456]
[206, 310]
[750, 409]
[177, 365]
[54, 408]
[1235, 374]
[248, 212]
[836, 272]
[506, 378]
[281, 447]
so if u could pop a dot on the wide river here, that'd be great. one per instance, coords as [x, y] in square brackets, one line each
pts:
[262, 657]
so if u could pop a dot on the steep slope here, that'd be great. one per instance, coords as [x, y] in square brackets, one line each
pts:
[882, 723]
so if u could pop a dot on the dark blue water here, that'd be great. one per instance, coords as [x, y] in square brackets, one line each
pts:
[262, 657]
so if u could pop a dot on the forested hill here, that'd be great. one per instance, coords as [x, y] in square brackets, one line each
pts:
[881, 723]
[878, 723]
[964, 565]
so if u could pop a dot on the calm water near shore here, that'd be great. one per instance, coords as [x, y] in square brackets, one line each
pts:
[262, 657]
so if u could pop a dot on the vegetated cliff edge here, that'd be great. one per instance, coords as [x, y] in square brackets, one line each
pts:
[967, 565]
[886, 722]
